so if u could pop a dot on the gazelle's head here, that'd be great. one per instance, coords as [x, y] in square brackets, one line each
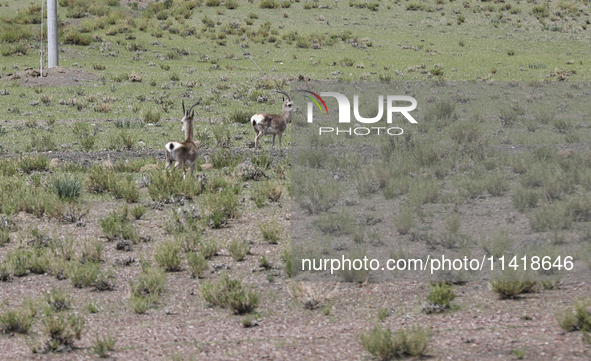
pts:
[288, 105]
[187, 115]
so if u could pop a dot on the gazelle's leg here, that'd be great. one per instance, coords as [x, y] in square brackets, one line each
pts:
[168, 159]
[193, 168]
[280, 135]
[256, 141]
[273, 146]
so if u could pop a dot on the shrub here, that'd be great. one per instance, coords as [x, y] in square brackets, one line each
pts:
[170, 186]
[197, 264]
[508, 117]
[540, 11]
[138, 211]
[270, 230]
[105, 281]
[525, 198]
[577, 319]
[101, 179]
[272, 190]
[18, 260]
[231, 4]
[240, 116]
[286, 258]
[423, 192]
[497, 245]
[311, 295]
[17, 49]
[5, 272]
[151, 117]
[404, 222]
[553, 217]
[33, 164]
[126, 189]
[120, 141]
[58, 300]
[352, 275]
[269, 4]
[511, 284]
[168, 256]
[439, 298]
[208, 249]
[18, 321]
[12, 33]
[140, 304]
[227, 293]
[414, 6]
[335, 224]
[117, 225]
[496, 185]
[314, 194]
[104, 344]
[259, 197]
[39, 261]
[83, 275]
[62, 330]
[238, 249]
[77, 38]
[222, 207]
[225, 158]
[150, 283]
[385, 345]
[92, 251]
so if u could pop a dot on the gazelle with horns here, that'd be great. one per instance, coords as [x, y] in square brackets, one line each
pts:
[184, 153]
[273, 124]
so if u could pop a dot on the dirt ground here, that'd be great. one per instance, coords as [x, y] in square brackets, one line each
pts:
[184, 327]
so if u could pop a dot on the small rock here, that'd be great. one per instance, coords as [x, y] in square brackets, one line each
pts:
[124, 245]
[148, 167]
[247, 171]
[566, 153]
[134, 78]
[207, 166]
[54, 163]
[4, 92]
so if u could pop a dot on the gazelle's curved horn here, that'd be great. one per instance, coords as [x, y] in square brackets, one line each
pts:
[285, 93]
[191, 108]
[184, 112]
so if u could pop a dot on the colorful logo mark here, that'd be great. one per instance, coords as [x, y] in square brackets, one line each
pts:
[315, 101]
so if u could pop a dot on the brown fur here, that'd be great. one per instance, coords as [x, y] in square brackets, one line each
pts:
[272, 124]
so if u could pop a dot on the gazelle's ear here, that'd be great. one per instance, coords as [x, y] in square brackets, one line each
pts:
[192, 114]
[283, 98]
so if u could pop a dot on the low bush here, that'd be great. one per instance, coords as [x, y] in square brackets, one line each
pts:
[227, 293]
[61, 330]
[579, 318]
[239, 249]
[270, 230]
[387, 345]
[18, 321]
[197, 264]
[168, 256]
[439, 298]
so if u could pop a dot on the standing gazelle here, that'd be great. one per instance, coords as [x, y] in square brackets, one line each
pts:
[184, 153]
[273, 124]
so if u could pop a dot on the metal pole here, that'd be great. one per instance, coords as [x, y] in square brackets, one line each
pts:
[52, 50]
[41, 40]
